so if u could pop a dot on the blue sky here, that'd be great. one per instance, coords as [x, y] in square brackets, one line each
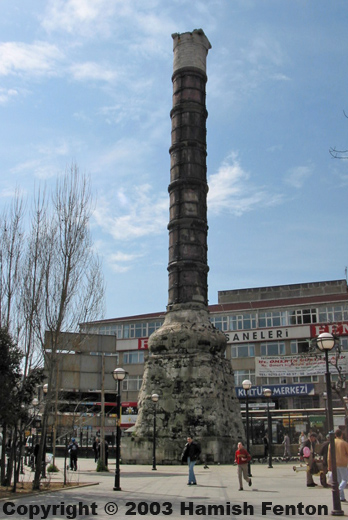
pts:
[89, 81]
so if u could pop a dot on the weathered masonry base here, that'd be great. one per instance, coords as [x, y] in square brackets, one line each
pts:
[187, 368]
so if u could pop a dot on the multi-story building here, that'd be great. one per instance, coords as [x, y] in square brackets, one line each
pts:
[269, 332]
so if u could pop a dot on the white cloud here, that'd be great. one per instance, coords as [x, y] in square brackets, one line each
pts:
[231, 190]
[86, 17]
[245, 68]
[121, 262]
[38, 168]
[122, 156]
[139, 213]
[142, 24]
[39, 58]
[296, 177]
[8, 193]
[93, 71]
[6, 95]
[263, 49]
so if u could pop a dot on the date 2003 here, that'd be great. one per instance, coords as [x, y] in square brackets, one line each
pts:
[152, 508]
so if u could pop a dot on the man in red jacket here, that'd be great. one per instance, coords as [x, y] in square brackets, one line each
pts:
[242, 458]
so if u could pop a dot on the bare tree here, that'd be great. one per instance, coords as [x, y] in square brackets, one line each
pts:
[339, 154]
[33, 280]
[73, 285]
[50, 278]
[11, 248]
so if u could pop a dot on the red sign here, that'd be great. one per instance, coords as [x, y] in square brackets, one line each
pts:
[143, 343]
[339, 329]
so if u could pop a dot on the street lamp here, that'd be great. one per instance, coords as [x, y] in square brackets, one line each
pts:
[35, 403]
[44, 433]
[118, 374]
[267, 392]
[325, 343]
[154, 398]
[345, 400]
[246, 384]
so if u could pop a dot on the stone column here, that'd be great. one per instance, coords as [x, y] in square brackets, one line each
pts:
[186, 364]
[188, 228]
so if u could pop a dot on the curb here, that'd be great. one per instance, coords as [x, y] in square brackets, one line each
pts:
[44, 491]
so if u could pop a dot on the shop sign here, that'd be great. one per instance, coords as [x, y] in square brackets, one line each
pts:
[258, 406]
[274, 334]
[339, 329]
[290, 366]
[129, 413]
[143, 343]
[277, 390]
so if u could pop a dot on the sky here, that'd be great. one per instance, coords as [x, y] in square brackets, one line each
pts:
[89, 82]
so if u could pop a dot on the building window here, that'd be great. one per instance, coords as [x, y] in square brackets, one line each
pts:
[275, 348]
[242, 322]
[154, 325]
[303, 316]
[109, 330]
[140, 330]
[305, 379]
[333, 314]
[306, 402]
[299, 346]
[133, 357]
[344, 344]
[108, 354]
[335, 377]
[220, 322]
[243, 351]
[132, 383]
[240, 375]
[272, 319]
[273, 380]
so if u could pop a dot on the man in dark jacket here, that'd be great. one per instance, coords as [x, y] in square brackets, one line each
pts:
[72, 450]
[190, 455]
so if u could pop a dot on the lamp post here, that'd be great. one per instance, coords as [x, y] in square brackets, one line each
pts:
[35, 403]
[118, 374]
[44, 433]
[345, 400]
[325, 343]
[246, 384]
[267, 392]
[155, 398]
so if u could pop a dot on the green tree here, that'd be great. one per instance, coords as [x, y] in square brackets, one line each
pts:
[10, 377]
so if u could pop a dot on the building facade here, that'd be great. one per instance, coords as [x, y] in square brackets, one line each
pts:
[269, 332]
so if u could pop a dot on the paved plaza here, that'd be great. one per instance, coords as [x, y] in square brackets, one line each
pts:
[276, 492]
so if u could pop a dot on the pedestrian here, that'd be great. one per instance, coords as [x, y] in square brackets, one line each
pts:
[324, 451]
[73, 452]
[341, 449]
[265, 445]
[242, 457]
[286, 443]
[190, 455]
[308, 453]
